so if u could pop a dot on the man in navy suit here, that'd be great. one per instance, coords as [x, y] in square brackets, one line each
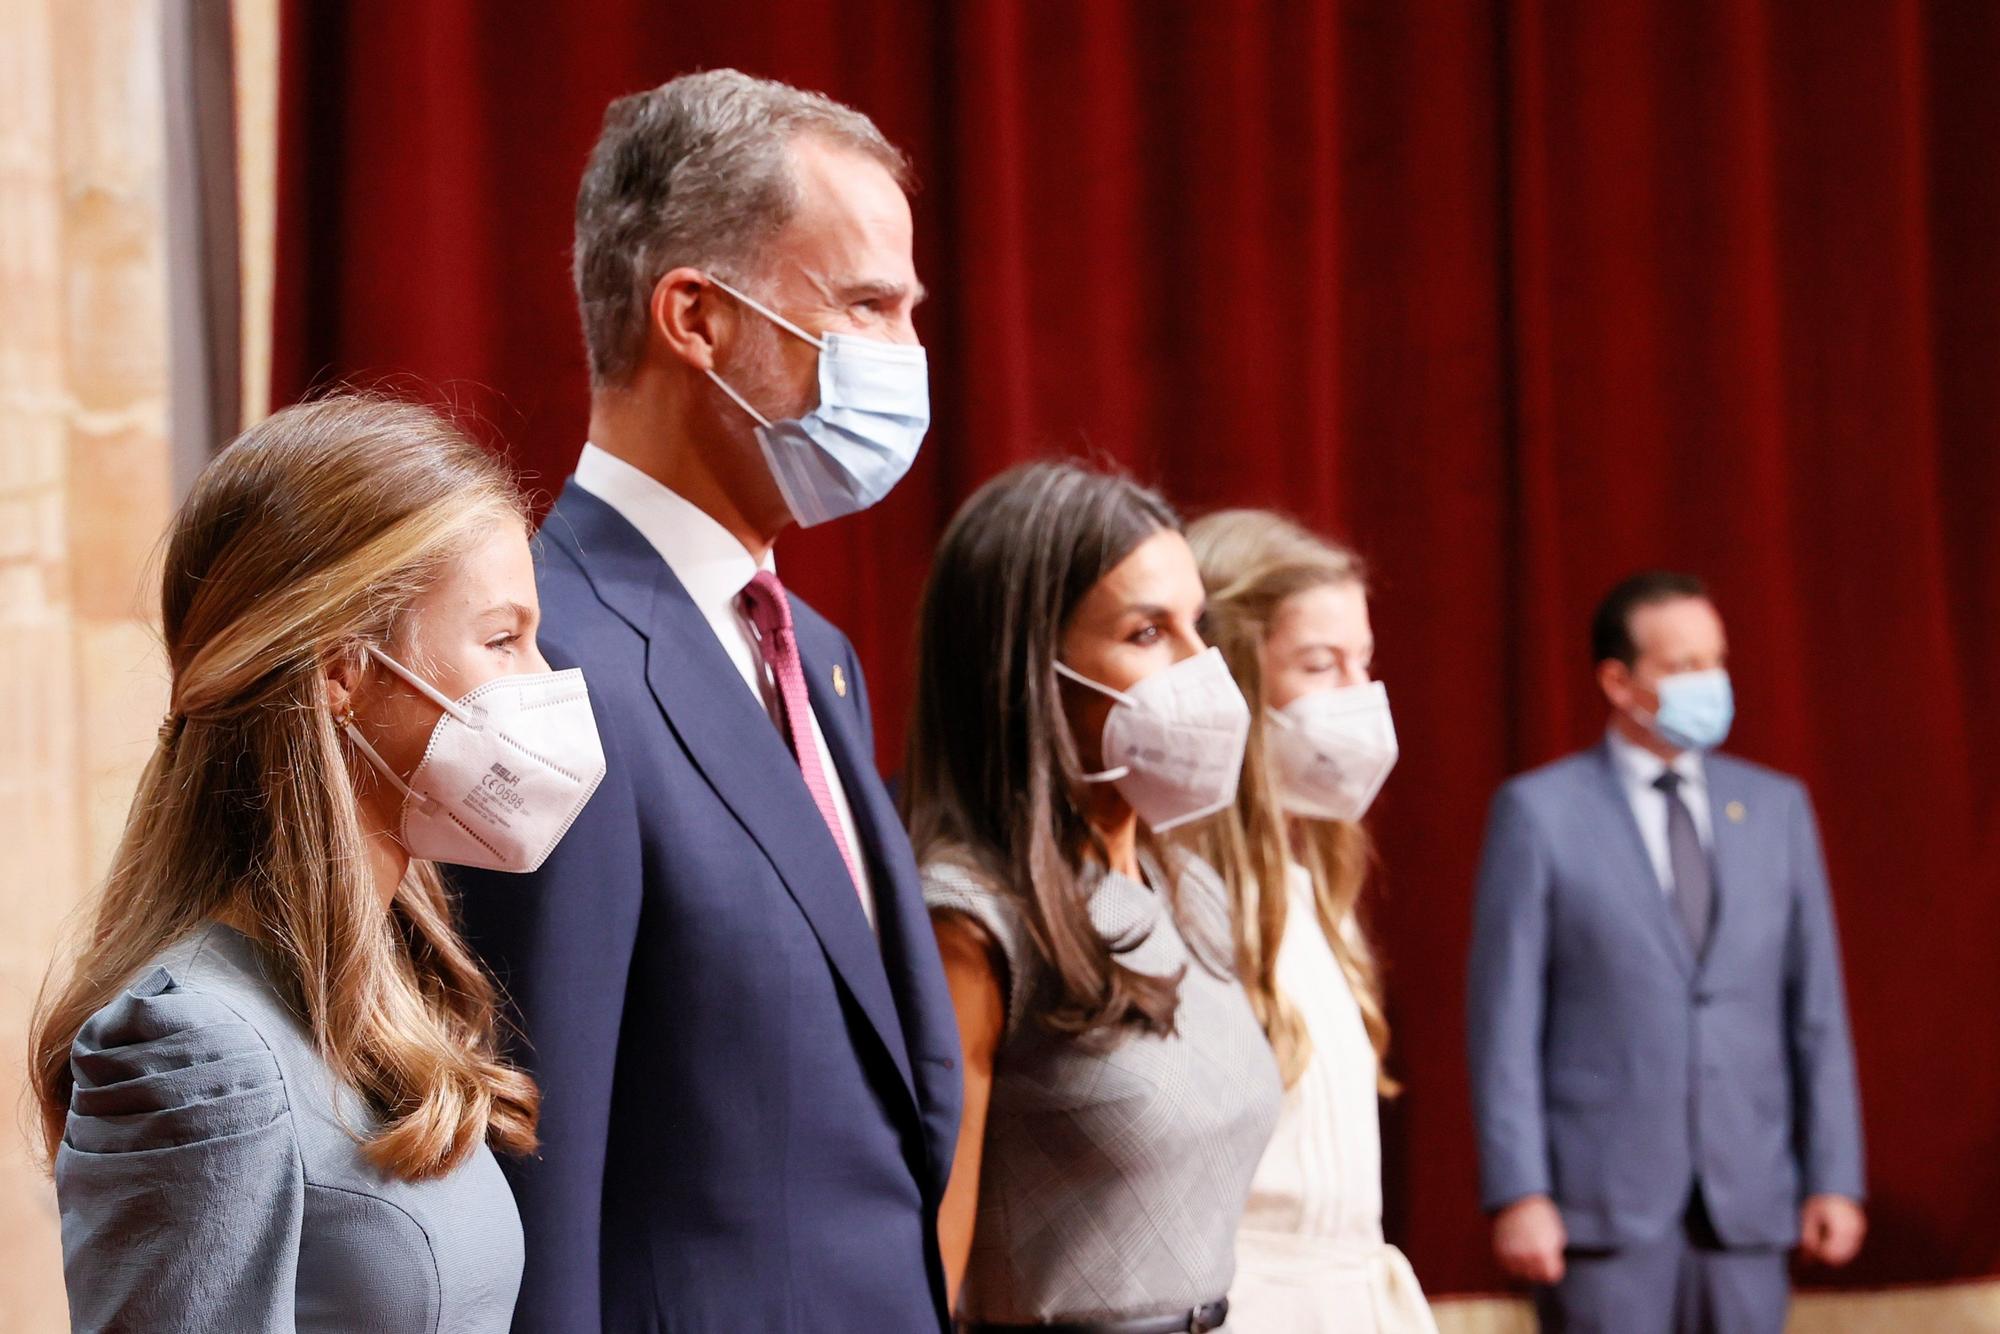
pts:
[725, 979]
[1661, 1069]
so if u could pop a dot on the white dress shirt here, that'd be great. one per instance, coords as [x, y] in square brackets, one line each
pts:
[714, 568]
[1638, 769]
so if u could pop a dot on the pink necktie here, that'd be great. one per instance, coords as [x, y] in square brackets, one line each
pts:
[763, 600]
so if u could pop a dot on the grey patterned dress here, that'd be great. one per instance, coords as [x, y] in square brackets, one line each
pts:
[208, 1180]
[1113, 1176]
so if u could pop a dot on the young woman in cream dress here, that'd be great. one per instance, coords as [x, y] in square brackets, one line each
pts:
[1290, 614]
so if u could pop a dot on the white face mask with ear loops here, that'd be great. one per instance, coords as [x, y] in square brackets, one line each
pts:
[508, 768]
[1174, 742]
[1332, 750]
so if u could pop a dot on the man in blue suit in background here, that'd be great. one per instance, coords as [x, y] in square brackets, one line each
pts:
[1661, 1070]
[725, 979]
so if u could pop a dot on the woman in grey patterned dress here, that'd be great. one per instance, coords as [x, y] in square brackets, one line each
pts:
[1119, 1091]
[270, 1076]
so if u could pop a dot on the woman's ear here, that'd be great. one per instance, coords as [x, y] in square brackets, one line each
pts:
[342, 670]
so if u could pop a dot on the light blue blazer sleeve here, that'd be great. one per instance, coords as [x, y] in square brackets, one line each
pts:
[179, 1177]
[1506, 994]
[1828, 1097]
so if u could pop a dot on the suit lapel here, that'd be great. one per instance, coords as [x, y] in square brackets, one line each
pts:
[875, 817]
[732, 741]
[909, 949]
[1640, 873]
[901, 918]
[855, 767]
[1732, 853]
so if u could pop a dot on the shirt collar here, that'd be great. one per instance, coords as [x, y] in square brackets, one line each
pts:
[1641, 768]
[706, 557]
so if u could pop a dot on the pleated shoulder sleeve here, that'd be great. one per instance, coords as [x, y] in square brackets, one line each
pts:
[179, 1177]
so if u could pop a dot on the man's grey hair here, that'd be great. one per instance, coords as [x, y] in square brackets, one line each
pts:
[695, 172]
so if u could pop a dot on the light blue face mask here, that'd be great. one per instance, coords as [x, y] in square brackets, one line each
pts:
[1696, 709]
[852, 449]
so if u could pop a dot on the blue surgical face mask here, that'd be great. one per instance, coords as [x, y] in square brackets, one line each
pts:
[852, 449]
[1696, 709]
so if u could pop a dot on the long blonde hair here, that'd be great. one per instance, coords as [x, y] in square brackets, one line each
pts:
[304, 541]
[1251, 562]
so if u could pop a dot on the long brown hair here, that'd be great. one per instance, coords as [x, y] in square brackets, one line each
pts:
[303, 542]
[1251, 562]
[992, 770]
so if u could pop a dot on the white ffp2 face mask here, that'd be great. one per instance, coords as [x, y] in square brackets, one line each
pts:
[1331, 751]
[858, 442]
[508, 768]
[1173, 744]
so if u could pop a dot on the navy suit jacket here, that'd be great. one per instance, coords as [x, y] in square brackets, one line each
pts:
[749, 1104]
[1611, 1068]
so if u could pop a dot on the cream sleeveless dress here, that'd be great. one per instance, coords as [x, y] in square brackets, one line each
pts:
[1310, 1258]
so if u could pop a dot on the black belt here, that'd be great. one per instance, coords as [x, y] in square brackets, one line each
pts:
[1198, 1321]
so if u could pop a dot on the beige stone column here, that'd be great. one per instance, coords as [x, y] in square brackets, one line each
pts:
[256, 25]
[84, 497]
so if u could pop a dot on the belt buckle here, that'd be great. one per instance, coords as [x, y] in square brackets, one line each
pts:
[1198, 1321]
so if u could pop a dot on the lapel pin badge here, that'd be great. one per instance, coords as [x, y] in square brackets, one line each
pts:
[1737, 810]
[840, 682]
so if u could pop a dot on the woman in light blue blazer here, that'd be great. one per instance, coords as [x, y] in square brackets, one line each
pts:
[268, 1076]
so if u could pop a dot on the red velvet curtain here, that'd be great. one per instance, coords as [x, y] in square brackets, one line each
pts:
[1517, 295]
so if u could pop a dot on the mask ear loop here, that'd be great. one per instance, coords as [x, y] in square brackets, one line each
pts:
[739, 400]
[429, 692]
[381, 765]
[773, 316]
[1123, 770]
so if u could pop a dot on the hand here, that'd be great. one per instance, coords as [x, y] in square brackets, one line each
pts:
[1528, 1239]
[1830, 1229]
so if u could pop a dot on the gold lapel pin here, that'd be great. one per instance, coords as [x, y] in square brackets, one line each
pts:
[1736, 811]
[840, 682]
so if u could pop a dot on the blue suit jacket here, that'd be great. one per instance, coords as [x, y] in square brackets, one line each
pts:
[1611, 1068]
[749, 1105]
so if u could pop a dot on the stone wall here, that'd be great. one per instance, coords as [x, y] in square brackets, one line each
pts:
[85, 491]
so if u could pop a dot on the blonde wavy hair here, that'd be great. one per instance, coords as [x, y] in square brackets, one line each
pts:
[304, 542]
[1251, 562]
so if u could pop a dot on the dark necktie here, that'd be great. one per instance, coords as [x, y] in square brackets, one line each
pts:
[1693, 894]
